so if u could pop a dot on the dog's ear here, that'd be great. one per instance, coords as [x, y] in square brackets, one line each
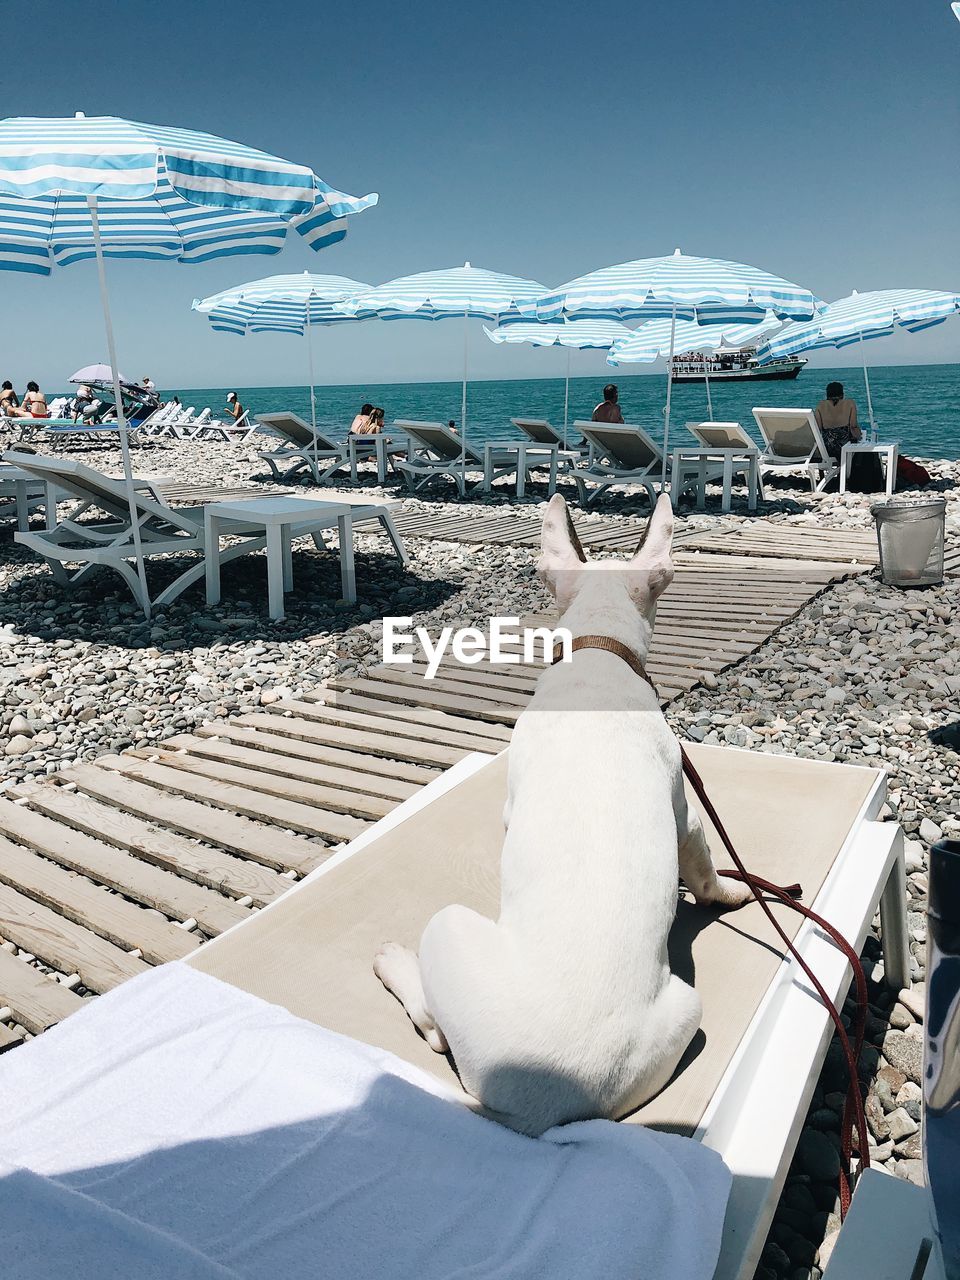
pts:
[652, 559]
[561, 554]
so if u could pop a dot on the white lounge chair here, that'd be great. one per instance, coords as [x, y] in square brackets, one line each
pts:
[543, 431]
[764, 1033]
[232, 431]
[725, 435]
[303, 450]
[619, 455]
[794, 441]
[163, 529]
[435, 451]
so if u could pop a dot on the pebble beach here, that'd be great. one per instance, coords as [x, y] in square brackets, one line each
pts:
[863, 674]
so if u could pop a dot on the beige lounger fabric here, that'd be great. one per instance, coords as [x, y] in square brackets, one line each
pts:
[312, 952]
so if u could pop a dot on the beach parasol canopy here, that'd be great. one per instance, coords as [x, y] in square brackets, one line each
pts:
[74, 188]
[653, 340]
[859, 317]
[454, 293]
[291, 304]
[572, 334]
[678, 287]
[96, 373]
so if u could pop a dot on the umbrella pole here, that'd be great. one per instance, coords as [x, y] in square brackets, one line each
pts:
[706, 383]
[666, 411]
[866, 379]
[566, 401]
[313, 393]
[121, 415]
[463, 397]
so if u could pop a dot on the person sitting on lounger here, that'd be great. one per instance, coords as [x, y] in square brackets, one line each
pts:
[608, 410]
[837, 419]
[360, 426]
[375, 425]
[8, 400]
[34, 404]
[234, 407]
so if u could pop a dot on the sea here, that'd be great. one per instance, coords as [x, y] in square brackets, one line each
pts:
[916, 405]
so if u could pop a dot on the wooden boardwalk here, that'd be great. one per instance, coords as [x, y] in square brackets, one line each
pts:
[516, 527]
[109, 867]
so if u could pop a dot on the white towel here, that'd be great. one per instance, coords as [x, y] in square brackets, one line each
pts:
[180, 1127]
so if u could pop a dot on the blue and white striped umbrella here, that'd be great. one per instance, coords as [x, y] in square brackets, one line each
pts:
[956, 9]
[283, 304]
[705, 290]
[167, 193]
[572, 334]
[662, 338]
[652, 340]
[455, 293]
[862, 316]
[78, 187]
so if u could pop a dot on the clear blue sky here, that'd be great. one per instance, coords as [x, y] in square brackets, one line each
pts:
[816, 140]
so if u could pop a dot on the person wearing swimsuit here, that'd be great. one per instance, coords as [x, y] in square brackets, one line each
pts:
[34, 404]
[837, 419]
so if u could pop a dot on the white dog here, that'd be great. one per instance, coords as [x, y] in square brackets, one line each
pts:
[565, 1008]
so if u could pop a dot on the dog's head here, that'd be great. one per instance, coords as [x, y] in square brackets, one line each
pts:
[564, 567]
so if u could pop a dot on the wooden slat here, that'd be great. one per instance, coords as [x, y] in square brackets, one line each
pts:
[64, 944]
[78, 899]
[263, 844]
[179, 899]
[9, 1039]
[220, 871]
[282, 785]
[36, 1000]
[396, 689]
[235, 800]
[365, 784]
[381, 735]
[485, 736]
[309, 728]
[379, 770]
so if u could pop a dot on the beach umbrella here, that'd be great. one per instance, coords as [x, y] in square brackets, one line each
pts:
[859, 317]
[75, 188]
[457, 293]
[292, 304]
[653, 340]
[572, 334]
[679, 287]
[96, 373]
[956, 9]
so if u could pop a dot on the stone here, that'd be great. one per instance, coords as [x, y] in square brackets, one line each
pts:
[905, 1052]
[900, 1017]
[826, 1249]
[876, 1119]
[18, 745]
[818, 1156]
[900, 1125]
[930, 833]
[20, 724]
[910, 1097]
[914, 999]
[910, 1171]
[911, 1148]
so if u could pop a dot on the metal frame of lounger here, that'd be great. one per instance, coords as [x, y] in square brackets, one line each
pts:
[305, 450]
[71, 432]
[230, 432]
[436, 452]
[726, 435]
[815, 460]
[109, 544]
[755, 1113]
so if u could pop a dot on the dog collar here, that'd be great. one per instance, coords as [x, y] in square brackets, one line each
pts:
[608, 645]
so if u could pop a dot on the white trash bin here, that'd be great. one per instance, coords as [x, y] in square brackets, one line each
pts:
[910, 537]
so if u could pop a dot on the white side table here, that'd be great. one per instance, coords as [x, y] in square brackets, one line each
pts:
[281, 519]
[886, 451]
[27, 491]
[704, 462]
[359, 447]
[529, 453]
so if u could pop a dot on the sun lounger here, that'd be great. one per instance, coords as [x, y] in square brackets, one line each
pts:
[544, 432]
[794, 442]
[163, 529]
[746, 1083]
[72, 433]
[727, 435]
[303, 449]
[435, 452]
[619, 455]
[232, 431]
[20, 494]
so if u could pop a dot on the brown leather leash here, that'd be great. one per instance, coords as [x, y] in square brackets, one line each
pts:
[853, 1113]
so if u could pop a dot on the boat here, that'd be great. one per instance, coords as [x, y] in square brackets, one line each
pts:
[734, 365]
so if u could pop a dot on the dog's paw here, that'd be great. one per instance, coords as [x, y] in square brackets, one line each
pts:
[388, 958]
[733, 894]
